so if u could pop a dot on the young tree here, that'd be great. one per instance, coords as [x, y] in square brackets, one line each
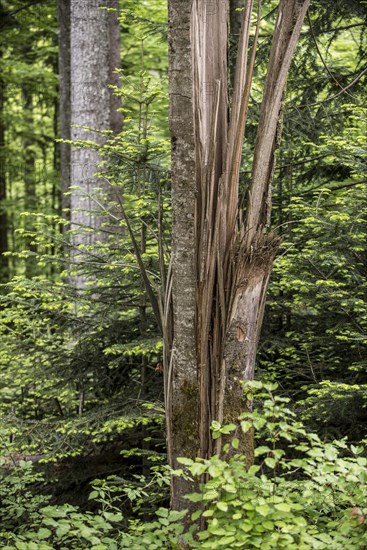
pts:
[221, 256]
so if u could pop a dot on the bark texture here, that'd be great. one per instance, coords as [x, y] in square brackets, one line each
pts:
[29, 174]
[182, 384]
[63, 9]
[3, 215]
[115, 63]
[222, 259]
[90, 115]
[209, 38]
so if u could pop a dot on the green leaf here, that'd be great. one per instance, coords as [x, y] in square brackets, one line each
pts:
[43, 533]
[197, 469]
[282, 507]
[235, 443]
[261, 450]
[246, 425]
[184, 461]
[196, 515]
[262, 509]
[222, 506]
[162, 512]
[228, 428]
[270, 462]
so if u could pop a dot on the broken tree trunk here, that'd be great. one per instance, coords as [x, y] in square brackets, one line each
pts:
[221, 259]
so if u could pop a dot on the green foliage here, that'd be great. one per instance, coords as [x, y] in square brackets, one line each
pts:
[314, 335]
[165, 532]
[28, 522]
[141, 493]
[28, 65]
[18, 502]
[81, 374]
[318, 307]
[79, 368]
[300, 493]
[81, 386]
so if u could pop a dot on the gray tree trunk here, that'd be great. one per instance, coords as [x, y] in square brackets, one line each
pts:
[29, 173]
[182, 409]
[221, 263]
[115, 63]
[3, 215]
[90, 115]
[64, 102]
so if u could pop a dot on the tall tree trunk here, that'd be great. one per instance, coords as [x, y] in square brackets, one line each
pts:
[3, 217]
[90, 114]
[115, 63]
[221, 262]
[64, 102]
[30, 197]
[182, 384]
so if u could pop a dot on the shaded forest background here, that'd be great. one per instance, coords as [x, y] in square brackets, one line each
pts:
[81, 388]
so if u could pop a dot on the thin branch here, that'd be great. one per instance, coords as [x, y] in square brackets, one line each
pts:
[338, 94]
[143, 272]
[14, 12]
[347, 27]
[344, 186]
[321, 57]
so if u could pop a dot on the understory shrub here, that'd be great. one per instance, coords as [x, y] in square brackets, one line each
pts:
[300, 493]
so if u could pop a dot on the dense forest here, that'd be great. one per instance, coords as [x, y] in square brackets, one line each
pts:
[183, 274]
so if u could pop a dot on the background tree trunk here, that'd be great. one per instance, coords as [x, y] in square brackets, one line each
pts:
[29, 173]
[91, 111]
[115, 63]
[236, 8]
[3, 215]
[64, 102]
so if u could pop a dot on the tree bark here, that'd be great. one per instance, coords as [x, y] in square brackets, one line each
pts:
[3, 216]
[64, 102]
[209, 37]
[221, 262]
[29, 173]
[90, 116]
[182, 399]
[115, 63]
[236, 8]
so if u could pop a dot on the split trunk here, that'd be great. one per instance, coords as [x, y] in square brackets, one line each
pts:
[222, 255]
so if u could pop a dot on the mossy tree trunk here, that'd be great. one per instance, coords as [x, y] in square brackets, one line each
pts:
[221, 256]
[182, 399]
